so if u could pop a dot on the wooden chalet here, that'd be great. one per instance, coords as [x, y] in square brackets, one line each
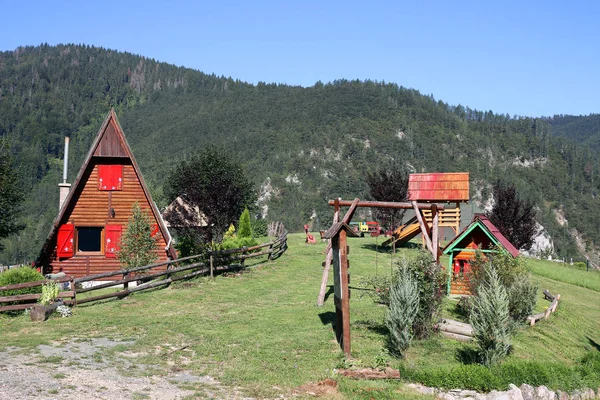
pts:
[480, 235]
[85, 235]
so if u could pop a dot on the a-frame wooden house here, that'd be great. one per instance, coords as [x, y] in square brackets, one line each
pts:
[85, 235]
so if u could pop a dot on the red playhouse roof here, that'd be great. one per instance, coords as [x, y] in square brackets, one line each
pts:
[439, 187]
[494, 231]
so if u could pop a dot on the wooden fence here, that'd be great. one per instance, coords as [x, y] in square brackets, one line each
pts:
[150, 276]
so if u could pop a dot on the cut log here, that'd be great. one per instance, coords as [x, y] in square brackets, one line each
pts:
[456, 336]
[451, 326]
[41, 312]
[548, 296]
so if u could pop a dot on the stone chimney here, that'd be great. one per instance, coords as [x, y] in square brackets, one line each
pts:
[64, 187]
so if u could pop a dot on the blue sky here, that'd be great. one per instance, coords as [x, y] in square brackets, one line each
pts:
[517, 57]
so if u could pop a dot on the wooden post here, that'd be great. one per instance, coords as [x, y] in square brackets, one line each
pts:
[424, 230]
[328, 258]
[244, 250]
[212, 275]
[74, 297]
[345, 290]
[435, 238]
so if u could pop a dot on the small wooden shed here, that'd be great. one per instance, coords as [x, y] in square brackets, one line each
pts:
[85, 235]
[480, 235]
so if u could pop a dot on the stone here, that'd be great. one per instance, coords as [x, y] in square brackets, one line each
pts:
[562, 395]
[528, 392]
[543, 393]
[588, 394]
[576, 395]
[514, 393]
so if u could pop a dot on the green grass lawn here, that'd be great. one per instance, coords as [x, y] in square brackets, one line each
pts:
[262, 331]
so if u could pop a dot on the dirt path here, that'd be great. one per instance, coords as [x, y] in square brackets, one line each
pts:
[80, 370]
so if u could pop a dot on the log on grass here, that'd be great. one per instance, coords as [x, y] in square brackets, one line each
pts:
[451, 326]
[457, 336]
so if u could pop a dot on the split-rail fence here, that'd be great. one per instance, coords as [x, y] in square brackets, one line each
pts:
[148, 276]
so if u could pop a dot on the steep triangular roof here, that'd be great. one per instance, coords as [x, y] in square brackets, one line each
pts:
[480, 221]
[110, 142]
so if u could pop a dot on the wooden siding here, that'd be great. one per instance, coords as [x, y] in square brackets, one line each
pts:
[110, 145]
[92, 208]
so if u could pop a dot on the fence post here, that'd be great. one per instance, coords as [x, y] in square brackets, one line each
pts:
[212, 275]
[74, 297]
[270, 251]
[244, 250]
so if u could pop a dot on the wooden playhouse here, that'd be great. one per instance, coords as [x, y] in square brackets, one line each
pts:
[480, 235]
[92, 215]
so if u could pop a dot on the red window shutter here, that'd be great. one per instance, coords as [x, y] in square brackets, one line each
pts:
[110, 177]
[64, 242]
[112, 239]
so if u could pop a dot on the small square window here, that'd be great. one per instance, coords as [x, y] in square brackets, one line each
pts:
[89, 239]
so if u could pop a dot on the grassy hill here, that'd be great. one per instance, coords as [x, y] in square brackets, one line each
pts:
[262, 333]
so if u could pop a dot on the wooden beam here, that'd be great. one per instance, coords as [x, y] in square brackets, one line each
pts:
[386, 204]
[424, 230]
[435, 236]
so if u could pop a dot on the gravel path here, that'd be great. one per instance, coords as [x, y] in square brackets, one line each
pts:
[79, 370]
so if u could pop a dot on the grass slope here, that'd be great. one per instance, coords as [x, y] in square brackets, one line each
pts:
[261, 331]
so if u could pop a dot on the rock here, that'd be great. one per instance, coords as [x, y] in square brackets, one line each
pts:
[543, 393]
[562, 395]
[527, 391]
[576, 395]
[514, 393]
[494, 395]
[588, 394]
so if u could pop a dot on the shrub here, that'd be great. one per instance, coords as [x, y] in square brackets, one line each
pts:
[556, 376]
[50, 292]
[513, 275]
[14, 276]
[431, 282]
[259, 227]
[244, 227]
[379, 288]
[522, 297]
[20, 275]
[491, 320]
[137, 245]
[403, 308]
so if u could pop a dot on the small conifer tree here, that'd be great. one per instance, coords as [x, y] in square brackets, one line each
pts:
[491, 320]
[137, 246]
[245, 227]
[403, 308]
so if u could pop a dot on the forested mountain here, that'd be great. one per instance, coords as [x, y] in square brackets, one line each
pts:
[581, 129]
[301, 146]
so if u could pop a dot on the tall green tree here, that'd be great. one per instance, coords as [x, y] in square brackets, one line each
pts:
[137, 246]
[513, 216]
[215, 183]
[11, 195]
[388, 184]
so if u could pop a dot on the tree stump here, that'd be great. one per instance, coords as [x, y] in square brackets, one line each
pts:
[40, 312]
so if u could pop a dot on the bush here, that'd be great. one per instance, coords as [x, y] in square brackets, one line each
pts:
[403, 308]
[244, 228]
[431, 282]
[522, 297]
[20, 275]
[556, 376]
[513, 275]
[259, 227]
[491, 320]
[379, 288]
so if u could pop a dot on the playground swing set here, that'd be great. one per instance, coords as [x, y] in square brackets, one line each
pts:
[426, 194]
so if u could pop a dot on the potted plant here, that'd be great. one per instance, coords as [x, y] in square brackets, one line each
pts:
[47, 303]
